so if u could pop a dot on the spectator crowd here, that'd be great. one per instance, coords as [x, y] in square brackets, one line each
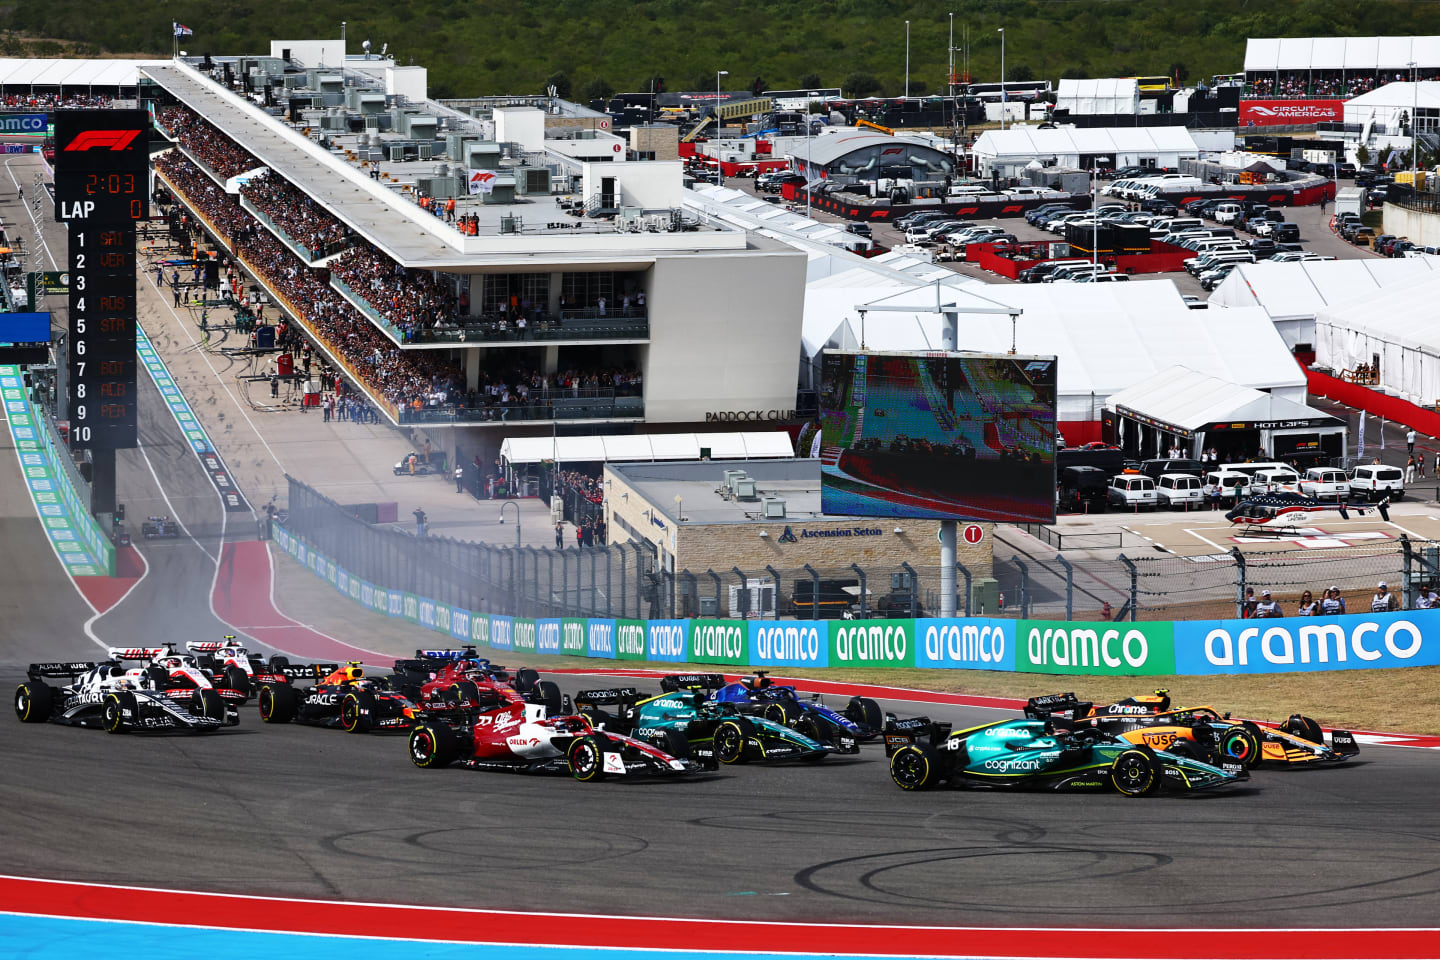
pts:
[294, 212]
[203, 140]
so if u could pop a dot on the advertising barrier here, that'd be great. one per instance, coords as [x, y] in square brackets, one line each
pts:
[1141, 649]
[1279, 113]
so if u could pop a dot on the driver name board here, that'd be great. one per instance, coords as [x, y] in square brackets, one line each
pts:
[101, 162]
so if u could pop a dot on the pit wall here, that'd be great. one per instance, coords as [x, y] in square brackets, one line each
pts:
[1147, 648]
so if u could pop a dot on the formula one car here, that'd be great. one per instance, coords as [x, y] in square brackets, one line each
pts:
[861, 720]
[412, 674]
[716, 729]
[1150, 720]
[342, 696]
[162, 527]
[107, 695]
[1034, 754]
[235, 666]
[517, 737]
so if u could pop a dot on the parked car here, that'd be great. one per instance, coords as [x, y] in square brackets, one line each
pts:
[1042, 270]
[1374, 482]
[1363, 237]
[1082, 488]
[1234, 485]
[1102, 278]
[1179, 491]
[1132, 490]
[1288, 232]
[1325, 483]
[1282, 480]
[1154, 469]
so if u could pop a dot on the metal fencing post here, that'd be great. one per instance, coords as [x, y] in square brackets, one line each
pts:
[718, 585]
[1024, 588]
[744, 595]
[914, 587]
[1069, 586]
[1407, 577]
[864, 601]
[814, 591]
[594, 583]
[692, 593]
[550, 565]
[775, 614]
[966, 574]
[564, 580]
[608, 584]
[1239, 581]
[1134, 603]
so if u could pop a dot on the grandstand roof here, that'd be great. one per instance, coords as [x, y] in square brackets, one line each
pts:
[1400, 93]
[647, 447]
[1032, 141]
[1341, 53]
[72, 73]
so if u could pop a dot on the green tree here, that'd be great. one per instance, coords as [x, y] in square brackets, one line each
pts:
[811, 81]
[598, 89]
[1362, 154]
[1020, 74]
[560, 80]
[859, 84]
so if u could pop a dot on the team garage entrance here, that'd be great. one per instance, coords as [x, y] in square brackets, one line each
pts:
[1180, 407]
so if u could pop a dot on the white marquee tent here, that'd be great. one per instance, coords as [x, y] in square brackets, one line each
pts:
[1384, 106]
[1397, 327]
[1114, 95]
[1293, 293]
[72, 73]
[1124, 146]
[1108, 336]
[1340, 53]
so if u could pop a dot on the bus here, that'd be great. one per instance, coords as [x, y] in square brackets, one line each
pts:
[1022, 90]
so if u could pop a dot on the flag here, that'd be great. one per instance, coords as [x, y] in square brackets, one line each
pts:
[181, 30]
[482, 181]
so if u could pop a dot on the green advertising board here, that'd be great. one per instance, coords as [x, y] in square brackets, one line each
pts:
[1103, 649]
[572, 637]
[719, 641]
[872, 643]
[522, 632]
[630, 639]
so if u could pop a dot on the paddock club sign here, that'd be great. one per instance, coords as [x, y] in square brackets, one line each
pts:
[1158, 648]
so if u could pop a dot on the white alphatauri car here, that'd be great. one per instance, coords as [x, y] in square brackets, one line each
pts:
[168, 692]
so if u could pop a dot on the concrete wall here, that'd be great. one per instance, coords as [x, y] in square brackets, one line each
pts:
[1422, 229]
[654, 185]
[725, 334]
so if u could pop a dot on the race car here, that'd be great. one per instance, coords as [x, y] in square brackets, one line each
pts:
[342, 696]
[516, 737]
[1150, 720]
[716, 729]
[760, 696]
[412, 674]
[162, 527]
[1034, 754]
[231, 663]
[107, 695]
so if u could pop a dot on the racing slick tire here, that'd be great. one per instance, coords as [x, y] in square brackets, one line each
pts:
[208, 703]
[112, 714]
[1304, 728]
[732, 736]
[525, 680]
[279, 703]
[586, 759]
[236, 679]
[433, 745]
[672, 742]
[781, 712]
[1135, 773]
[865, 711]
[915, 766]
[549, 693]
[808, 726]
[1240, 744]
[34, 702]
[357, 711]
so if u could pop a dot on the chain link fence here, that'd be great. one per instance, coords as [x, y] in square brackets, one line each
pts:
[626, 581]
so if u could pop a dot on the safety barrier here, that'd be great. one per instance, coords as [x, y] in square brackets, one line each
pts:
[1148, 648]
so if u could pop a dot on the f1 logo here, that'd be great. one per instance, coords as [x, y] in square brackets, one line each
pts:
[114, 139]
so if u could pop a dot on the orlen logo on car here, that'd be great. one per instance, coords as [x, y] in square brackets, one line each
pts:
[103, 139]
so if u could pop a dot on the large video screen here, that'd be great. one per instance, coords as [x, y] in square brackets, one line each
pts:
[946, 436]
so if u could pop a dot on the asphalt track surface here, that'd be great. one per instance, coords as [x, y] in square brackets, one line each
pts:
[308, 812]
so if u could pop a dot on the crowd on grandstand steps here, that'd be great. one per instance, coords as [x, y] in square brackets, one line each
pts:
[1327, 85]
[591, 488]
[203, 140]
[296, 213]
[412, 302]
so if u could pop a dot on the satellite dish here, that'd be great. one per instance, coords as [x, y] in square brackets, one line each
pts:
[366, 47]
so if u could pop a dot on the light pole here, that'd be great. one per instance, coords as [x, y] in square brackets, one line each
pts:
[516, 505]
[1095, 207]
[1414, 125]
[907, 60]
[1003, 98]
[719, 176]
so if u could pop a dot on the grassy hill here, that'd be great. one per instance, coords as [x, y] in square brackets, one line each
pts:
[476, 47]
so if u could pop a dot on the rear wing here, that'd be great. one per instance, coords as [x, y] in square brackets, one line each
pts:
[68, 670]
[691, 681]
[303, 671]
[1042, 708]
[204, 646]
[610, 695]
[903, 733]
[134, 653]
[467, 652]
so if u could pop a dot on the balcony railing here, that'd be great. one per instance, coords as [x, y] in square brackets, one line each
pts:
[309, 254]
[540, 327]
[587, 405]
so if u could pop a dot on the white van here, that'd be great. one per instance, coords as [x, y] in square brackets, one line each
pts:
[1134, 490]
[1376, 482]
[1234, 486]
[1179, 491]
[1325, 483]
[1228, 212]
[1283, 480]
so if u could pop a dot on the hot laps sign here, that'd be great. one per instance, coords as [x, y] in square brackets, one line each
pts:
[1273, 113]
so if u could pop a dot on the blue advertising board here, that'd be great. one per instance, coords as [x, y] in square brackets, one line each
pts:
[974, 643]
[1291, 644]
[24, 328]
[789, 643]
